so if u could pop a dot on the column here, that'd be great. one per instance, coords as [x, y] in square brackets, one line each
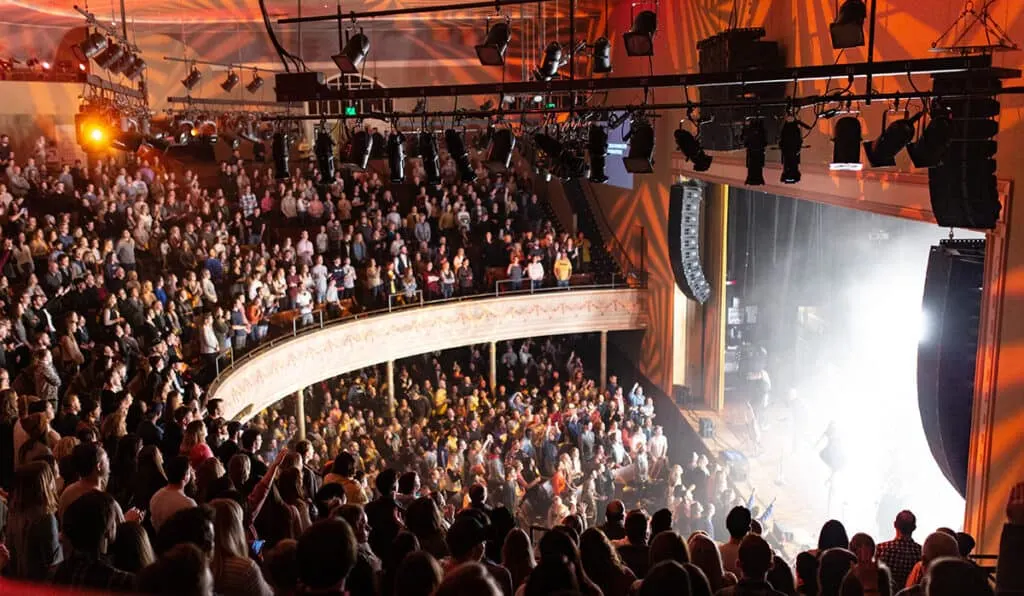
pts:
[300, 414]
[391, 385]
[714, 244]
[604, 360]
[494, 366]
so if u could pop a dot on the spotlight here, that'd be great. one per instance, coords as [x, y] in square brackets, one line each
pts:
[324, 150]
[791, 140]
[640, 159]
[755, 143]
[690, 147]
[111, 54]
[503, 143]
[254, 85]
[602, 56]
[354, 53]
[230, 83]
[846, 152]
[492, 51]
[135, 67]
[597, 146]
[928, 151]
[396, 156]
[882, 152]
[457, 148]
[360, 148]
[93, 44]
[192, 79]
[428, 152]
[280, 152]
[848, 29]
[552, 61]
[121, 64]
[32, 62]
[640, 39]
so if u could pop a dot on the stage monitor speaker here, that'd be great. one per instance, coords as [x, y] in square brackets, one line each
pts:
[963, 188]
[707, 428]
[947, 351]
[684, 220]
[681, 395]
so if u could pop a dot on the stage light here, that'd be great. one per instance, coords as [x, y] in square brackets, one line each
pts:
[690, 147]
[230, 82]
[280, 153]
[552, 61]
[640, 157]
[755, 143]
[396, 156]
[121, 65]
[110, 55]
[354, 53]
[192, 79]
[640, 39]
[93, 44]
[254, 85]
[597, 147]
[847, 30]
[882, 152]
[45, 65]
[360, 149]
[457, 149]
[503, 143]
[428, 152]
[492, 51]
[930, 148]
[134, 68]
[97, 135]
[324, 150]
[847, 139]
[791, 141]
[602, 56]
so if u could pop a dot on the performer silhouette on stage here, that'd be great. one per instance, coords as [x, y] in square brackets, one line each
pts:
[834, 456]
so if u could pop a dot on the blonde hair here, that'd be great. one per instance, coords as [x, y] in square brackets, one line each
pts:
[64, 447]
[229, 534]
[114, 425]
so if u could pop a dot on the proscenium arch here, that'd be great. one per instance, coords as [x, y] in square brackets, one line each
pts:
[281, 370]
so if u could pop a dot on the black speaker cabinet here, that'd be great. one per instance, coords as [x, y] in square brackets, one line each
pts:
[707, 428]
[684, 240]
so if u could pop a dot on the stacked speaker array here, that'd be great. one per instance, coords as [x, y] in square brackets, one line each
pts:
[684, 240]
[963, 187]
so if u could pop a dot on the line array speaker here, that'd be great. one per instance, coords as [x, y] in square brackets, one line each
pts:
[684, 240]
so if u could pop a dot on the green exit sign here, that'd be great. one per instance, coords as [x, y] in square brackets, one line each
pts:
[350, 110]
[550, 106]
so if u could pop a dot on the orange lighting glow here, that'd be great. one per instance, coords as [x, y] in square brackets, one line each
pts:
[96, 134]
[194, 132]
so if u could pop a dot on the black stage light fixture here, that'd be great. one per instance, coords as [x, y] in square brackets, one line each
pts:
[755, 143]
[791, 141]
[930, 148]
[254, 85]
[492, 51]
[846, 149]
[881, 153]
[503, 143]
[597, 146]
[230, 82]
[110, 55]
[360, 148]
[354, 53]
[552, 62]
[192, 79]
[93, 44]
[135, 68]
[396, 156]
[121, 64]
[280, 153]
[602, 56]
[324, 150]
[847, 30]
[640, 39]
[429, 154]
[457, 149]
[640, 157]
[690, 146]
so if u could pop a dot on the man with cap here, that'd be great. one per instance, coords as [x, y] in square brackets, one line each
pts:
[466, 542]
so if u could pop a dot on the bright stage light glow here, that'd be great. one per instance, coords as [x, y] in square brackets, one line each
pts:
[96, 134]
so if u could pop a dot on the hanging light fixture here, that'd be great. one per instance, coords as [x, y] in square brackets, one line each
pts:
[396, 156]
[639, 39]
[192, 79]
[135, 68]
[755, 143]
[93, 44]
[846, 149]
[503, 143]
[847, 31]
[551, 63]
[882, 152]
[360, 148]
[640, 156]
[254, 85]
[492, 51]
[429, 155]
[791, 140]
[690, 146]
[597, 147]
[353, 54]
[930, 148]
[457, 149]
[110, 55]
[230, 82]
[323, 148]
[602, 56]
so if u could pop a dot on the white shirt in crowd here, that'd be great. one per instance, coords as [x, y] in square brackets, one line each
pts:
[166, 502]
[535, 271]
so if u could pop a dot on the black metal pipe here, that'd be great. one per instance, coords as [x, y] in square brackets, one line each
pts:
[715, 79]
[871, 45]
[403, 11]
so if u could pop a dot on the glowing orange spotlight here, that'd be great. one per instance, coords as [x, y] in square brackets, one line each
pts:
[96, 134]
[194, 132]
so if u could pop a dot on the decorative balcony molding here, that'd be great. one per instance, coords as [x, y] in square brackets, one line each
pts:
[314, 356]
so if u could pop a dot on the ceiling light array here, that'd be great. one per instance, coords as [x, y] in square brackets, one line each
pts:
[114, 56]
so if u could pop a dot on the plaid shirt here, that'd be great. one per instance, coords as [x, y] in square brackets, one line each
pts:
[83, 571]
[900, 555]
